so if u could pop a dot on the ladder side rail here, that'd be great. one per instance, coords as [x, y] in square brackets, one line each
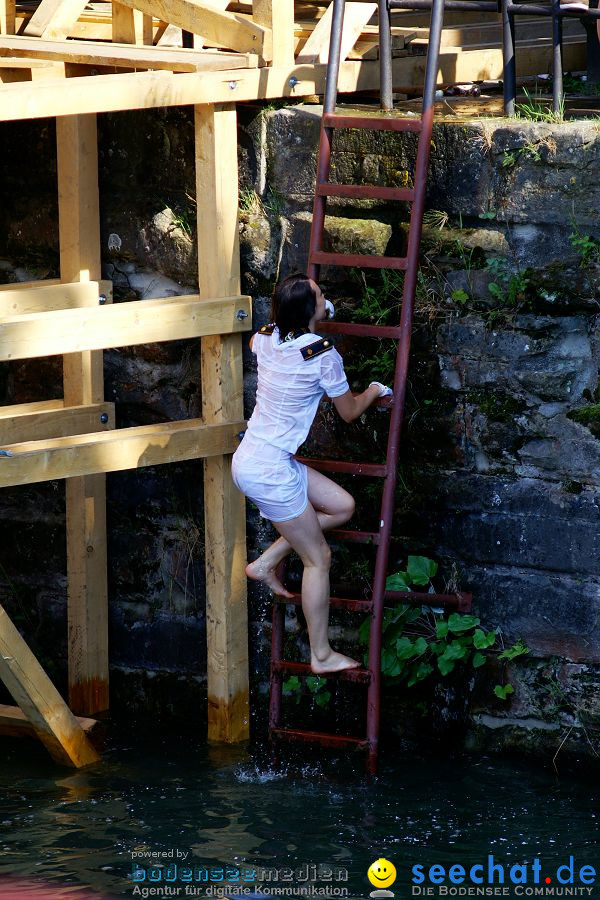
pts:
[325, 137]
[557, 64]
[385, 56]
[276, 678]
[508, 55]
[400, 375]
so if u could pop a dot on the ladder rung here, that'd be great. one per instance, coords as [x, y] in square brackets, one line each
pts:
[367, 191]
[356, 329]
[360, 675]
[373, 470]
[358, 260]
[461, 601]
[379, 123]
[362, 606]
[343, 741]
[355, 537]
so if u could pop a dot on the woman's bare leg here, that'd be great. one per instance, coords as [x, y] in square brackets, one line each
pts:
[304, 535]
[333, 505]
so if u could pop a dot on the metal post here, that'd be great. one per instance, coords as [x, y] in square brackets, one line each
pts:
[385, 56]
[557, 70]
[333, 65]
[508, 54]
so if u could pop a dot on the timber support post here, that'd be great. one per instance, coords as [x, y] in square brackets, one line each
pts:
[79, 233]
[222, 401]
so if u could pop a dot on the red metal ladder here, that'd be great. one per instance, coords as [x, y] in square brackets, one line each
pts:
[331, 122]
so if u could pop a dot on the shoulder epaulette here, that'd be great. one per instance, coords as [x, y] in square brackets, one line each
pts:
[316, 348]
[266, 329]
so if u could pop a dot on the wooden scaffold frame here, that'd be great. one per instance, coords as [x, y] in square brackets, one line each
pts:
[71, 62]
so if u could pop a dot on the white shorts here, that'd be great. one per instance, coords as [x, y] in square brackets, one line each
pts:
[271, 478]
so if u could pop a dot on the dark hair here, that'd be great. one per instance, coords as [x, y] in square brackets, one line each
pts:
[294, 304]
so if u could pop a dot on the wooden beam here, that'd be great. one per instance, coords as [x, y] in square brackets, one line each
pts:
[145, 90]
[15, 723]
[125, 56]
[27, 285]
[120, 325]
[222, 393]
[130, 25]
[278, 16]
[114, 451]
[83, 383]
[8, 9]
[54, 19]
[38, 297]
[50, 419]
[356, 16]
[226, 29]
[49, 715]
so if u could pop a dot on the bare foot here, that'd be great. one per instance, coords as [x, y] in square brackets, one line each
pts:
[334, 662]
[257, 571]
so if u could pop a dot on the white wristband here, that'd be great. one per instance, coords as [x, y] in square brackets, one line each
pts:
[384, 391]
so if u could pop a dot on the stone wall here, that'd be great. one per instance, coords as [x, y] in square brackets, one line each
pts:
[500, 463]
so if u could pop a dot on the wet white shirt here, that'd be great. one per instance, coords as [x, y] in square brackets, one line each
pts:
[291, 387]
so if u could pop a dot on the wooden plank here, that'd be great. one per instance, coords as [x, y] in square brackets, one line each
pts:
[83, 383]
[54, 19]
[27, 285]
[39, 297]
[145, 90]
[120, 325]
[130, 25]
[114, 451]
[356, 16]
[226, 29]
[222, 393]
[97, 54]
[21, 423]
[15, 723]
[278, 16]
[8, 9]
[49, 715]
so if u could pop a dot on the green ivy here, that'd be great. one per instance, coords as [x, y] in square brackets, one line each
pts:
[417, 643]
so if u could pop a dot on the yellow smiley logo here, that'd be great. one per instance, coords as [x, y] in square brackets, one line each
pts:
[381, 873]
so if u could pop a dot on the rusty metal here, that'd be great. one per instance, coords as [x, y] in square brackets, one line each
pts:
[371, 192]
[459, 602]
[343, 603]
[374, 470]
[339, 741]
[286, 667]
[373, 123]
[402, 334]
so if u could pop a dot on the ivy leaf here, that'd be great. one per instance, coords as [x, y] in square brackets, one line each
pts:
[503, 692]
[482, 641]
[314, 682]
[441, 629]
[397, 582]
[419, 672]
[458, 623]
[292, 684]
[323, 698]
[478, 660]
[405, 649]
[517, 649]
[451, 654]
[365, 629]
[420, 569]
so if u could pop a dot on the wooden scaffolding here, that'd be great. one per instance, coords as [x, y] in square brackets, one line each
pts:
[70, 60]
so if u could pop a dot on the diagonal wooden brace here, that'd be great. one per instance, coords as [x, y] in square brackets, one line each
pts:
[51, 718]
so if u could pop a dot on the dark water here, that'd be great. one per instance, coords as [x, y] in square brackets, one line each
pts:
[80, 829]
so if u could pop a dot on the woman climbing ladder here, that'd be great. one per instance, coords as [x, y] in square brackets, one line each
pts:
[295, 370]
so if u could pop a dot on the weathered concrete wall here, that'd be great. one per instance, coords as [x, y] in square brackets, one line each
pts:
[501, 456]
